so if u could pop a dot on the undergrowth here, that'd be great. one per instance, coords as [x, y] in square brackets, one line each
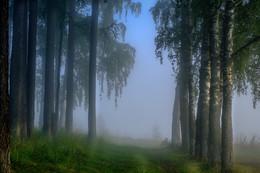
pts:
[75, 153]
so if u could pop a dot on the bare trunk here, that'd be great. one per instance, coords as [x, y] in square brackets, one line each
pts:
[92, 71]
[18, 66]
[57, 102]
[191, 83]
[71, 39]
[31, 65]
[203, 104]
[5, 164]
[227, 138]
[49, 68]
[215, 102]
[176, 139]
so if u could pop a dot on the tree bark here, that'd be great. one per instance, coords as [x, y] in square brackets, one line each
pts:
[33, 10]
[176, 139]
[204, 96]
[191, 85]
[215, 95]
[18, 69]
[92, 71]
[5, 164]
[227, 138]
[49, 68]
[184, 89]
[71, 40]
[57, 102]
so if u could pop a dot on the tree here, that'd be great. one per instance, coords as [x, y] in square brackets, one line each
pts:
[185, 53]
[49, 67]
[58, 65]
[70, 65]
[18, 70]
[176, 118]
[4, 97]
[227, 138]
[115, 58]
[92, 71]
[191, 85]
[215, 95]
[33, 10]
[204, 89]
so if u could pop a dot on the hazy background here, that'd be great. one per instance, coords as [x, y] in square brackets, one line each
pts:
[147, 101]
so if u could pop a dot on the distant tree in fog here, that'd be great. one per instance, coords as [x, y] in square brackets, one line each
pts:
[156, 133]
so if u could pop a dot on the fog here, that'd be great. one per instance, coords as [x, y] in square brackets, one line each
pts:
[147, 100]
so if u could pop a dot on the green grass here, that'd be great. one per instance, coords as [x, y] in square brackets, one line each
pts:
[76, 154]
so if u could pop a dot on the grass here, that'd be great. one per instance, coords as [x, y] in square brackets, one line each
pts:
[248, 155]
[76, 154]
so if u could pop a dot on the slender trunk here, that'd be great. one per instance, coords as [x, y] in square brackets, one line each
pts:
[215, 102]
[64, 96]
[49, 68]
[71, 39]
[227, 138]
[23, 74]
[18, 65]
[31, 65]
[184, 74]
[42, 95]
[92, 71]
[203, 104]
[4, 97]
[191, 85]
[176, 139]
[58, 76]
[63, 102]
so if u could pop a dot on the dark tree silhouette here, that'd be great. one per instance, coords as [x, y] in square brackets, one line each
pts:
[4, 97]
[33, 10]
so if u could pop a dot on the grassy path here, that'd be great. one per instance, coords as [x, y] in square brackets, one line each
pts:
[75, 154]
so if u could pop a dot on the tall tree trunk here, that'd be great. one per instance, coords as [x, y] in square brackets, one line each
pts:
[176, 139]
[204, 96]
[42, 94]
[215, 102]
[192, 98]
[63, 99]
[71, 40]
[31, 65]
[49, 67]
[92, 71]
[227, 138]
[184, 89]
[24, 76]
[18, 68]
[4, 103]
[58, 75]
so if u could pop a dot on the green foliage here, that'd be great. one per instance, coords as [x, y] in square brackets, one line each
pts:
[115, 58]
[246, 60]
[166, 15]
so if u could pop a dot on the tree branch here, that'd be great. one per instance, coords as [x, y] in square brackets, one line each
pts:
[247, 45]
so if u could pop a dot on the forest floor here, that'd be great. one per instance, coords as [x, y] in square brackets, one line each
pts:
[76, 154]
